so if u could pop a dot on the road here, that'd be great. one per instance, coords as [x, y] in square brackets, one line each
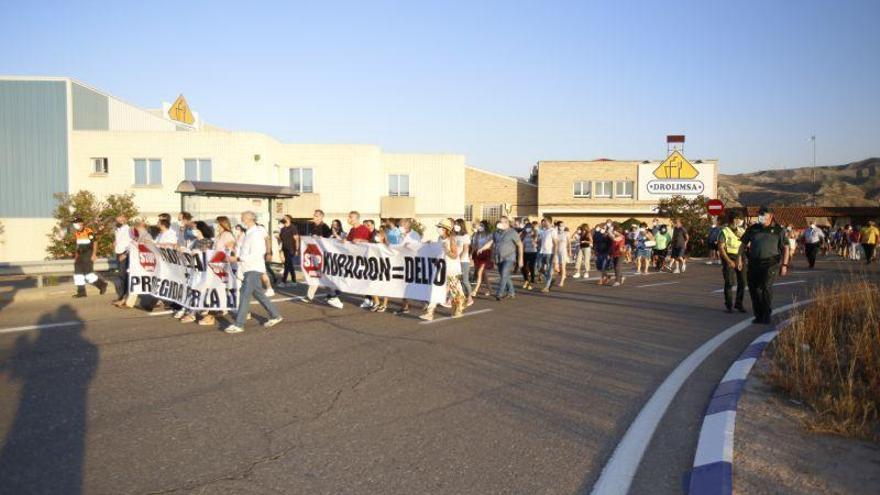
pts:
[528, 396]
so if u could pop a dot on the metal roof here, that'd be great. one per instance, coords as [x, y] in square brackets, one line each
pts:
[199, 188]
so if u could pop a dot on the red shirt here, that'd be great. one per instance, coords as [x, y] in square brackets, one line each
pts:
[361, 232]
[617, 246]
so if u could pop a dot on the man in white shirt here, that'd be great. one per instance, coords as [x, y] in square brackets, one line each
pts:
[167, 236]
[122, 238]
[251, 261]
[813, 236]
[548, 238]
[409, 239]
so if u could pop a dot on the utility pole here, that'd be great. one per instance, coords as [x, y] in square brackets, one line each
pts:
[813, 173]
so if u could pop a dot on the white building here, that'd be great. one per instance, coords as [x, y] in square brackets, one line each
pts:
[60, 135]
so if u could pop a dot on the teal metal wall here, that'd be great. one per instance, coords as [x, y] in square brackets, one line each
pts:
[91, 110]
[33, 147]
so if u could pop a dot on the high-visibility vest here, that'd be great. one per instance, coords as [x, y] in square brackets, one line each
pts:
[731, 241]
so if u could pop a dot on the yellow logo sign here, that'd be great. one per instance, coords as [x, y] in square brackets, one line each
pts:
[180, 111]
[676, 166]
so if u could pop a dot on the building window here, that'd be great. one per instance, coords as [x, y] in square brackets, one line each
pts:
[147, 172]
[198, 169]
[582, 189]
[469, 213]
[491, 213]
[302, 180]
[100, 166]
[623, 189]
[398, 185]
[603, 189]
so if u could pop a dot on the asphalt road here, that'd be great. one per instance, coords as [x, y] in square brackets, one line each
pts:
[528, 396]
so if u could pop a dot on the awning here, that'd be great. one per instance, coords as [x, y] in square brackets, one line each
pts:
[230, 189]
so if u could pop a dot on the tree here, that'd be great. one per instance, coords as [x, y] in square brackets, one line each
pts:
[97, 215]
[693, 216]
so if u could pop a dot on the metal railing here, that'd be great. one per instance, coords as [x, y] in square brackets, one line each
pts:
[51, 268]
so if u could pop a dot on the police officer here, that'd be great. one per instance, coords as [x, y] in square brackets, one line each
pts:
[729, 247]
[764, 245]
[84, 259]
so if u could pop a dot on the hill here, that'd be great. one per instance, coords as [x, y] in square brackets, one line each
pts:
[853, 184]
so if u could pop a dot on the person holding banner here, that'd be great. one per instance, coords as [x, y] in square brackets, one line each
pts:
[317, 228]
[202, 235]
[453, 272]
[251, 262]
[411, 239]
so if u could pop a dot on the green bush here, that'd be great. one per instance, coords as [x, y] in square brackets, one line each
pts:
[694, 218]
[97, 215]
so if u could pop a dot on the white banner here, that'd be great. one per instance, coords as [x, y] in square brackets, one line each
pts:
[417, 273]
[199, 280]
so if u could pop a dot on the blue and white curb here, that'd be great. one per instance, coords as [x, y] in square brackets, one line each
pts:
[713, 463]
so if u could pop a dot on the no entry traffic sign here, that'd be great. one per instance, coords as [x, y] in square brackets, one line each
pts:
[715, 207]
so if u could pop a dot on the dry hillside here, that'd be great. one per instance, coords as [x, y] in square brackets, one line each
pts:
[853, 184]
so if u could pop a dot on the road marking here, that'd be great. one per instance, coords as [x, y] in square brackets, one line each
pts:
[471, 313]
[659, 283]
[619, 471]
[718, 291]
[42, 326]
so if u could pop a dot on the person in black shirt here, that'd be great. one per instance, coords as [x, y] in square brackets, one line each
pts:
[764, 245]
[680, 240]
[317, 228]
[289, 237]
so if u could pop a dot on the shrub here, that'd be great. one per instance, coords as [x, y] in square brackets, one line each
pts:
[97, 215]
[694, 218]
[829, 358]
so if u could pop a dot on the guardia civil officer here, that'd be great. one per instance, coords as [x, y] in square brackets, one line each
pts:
[729, 249]
[84, 259]
[764, 246]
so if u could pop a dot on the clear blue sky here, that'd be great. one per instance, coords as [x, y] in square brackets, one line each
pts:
[506, 83]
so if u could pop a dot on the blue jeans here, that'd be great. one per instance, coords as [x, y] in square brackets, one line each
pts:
[545, 261]
[505, 269]
[253, 286]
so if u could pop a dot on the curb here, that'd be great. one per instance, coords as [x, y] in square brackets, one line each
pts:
[712, 473]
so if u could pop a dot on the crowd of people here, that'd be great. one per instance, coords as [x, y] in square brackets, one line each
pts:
[542, 252]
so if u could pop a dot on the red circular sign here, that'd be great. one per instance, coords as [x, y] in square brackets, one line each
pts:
[715, 207]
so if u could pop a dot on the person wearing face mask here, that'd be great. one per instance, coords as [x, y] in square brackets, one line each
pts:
[508, 251]
[813, 237]
[644, 241]
[661, 247]
[529, 239]
[289, 240]
[84, 259]
[763, 244]
[563, 247]
[122, 238]
[445, 233]
[585, 247]
[482, 257]
[729, 250]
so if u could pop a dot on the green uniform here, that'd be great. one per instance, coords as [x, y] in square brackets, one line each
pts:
[730, 236]
[763, 247]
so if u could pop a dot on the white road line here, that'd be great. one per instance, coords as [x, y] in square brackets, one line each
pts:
[619, 471]
[43, 326]
[471, 313]
[719, 291]
[658, 283]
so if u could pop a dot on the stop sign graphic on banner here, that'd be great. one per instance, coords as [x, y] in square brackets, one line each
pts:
[715, 207]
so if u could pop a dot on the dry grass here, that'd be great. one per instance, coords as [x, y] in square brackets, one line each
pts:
[829, 358]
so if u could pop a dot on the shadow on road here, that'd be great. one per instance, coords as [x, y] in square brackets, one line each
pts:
[44, 448]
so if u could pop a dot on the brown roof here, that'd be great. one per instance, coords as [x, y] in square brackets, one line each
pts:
[799, 216]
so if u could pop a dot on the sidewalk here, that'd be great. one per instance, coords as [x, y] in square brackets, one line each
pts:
[775, 453]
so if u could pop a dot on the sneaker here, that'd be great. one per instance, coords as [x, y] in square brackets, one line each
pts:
[426, 316]
[576, 275]
[272, 322]
[470, 302]
[233, 329]
[402, 311]
[381, 309]
[249, 316]
[676, 271]
[366, 304]
[586, 275]
[270, 292]
[710, 262]
[306, 300]
[684, 267]
[335, 302]
[446, 304]
[179, 313]
[188, 318]
[615, 284]
[208, 321]
[622, 280]
[545, 289]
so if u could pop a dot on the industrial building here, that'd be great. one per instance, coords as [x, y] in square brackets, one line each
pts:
[60, 135]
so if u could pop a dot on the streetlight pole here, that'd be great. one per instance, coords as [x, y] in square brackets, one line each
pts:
[813, 171]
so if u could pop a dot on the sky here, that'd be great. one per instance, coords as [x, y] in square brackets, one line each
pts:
[505, 83]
